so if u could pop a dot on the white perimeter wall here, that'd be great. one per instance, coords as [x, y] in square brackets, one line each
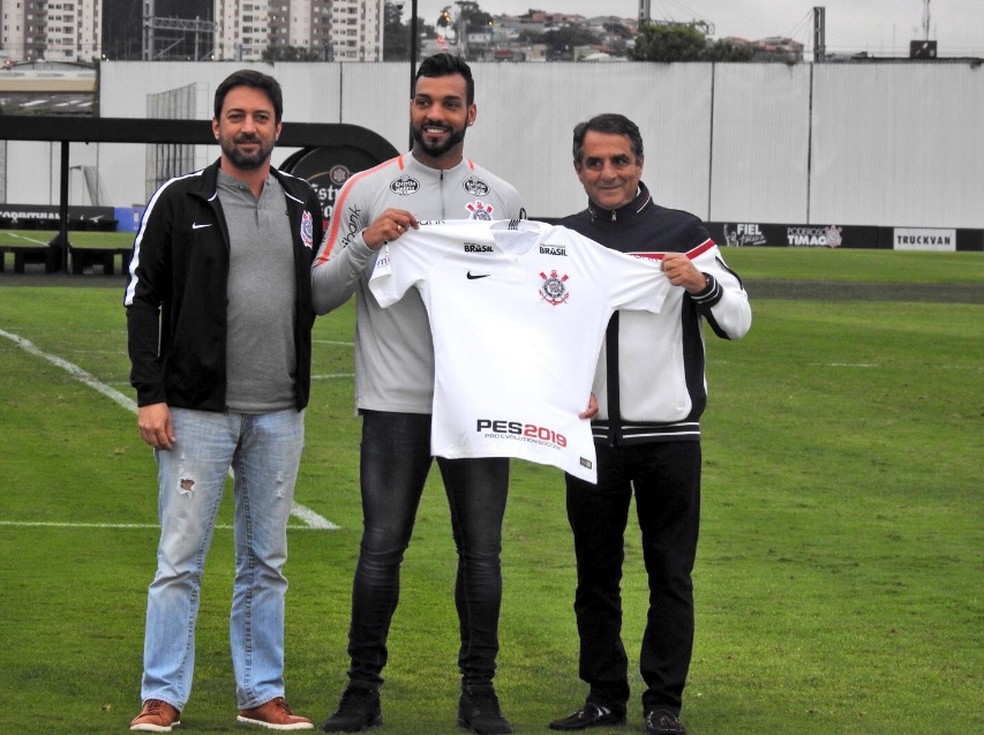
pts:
[847, 144]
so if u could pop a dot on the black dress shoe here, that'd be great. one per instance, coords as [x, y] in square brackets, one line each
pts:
[591, 715]
[663, 722]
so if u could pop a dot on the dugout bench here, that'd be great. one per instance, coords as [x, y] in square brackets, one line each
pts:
[82, 258]
[50, 256]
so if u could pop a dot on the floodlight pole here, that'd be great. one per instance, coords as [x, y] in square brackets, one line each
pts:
[819, 34]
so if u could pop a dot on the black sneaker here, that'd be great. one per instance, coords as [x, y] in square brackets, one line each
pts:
[478, 712]
[590, 715]
[663, 722]
[358, 710]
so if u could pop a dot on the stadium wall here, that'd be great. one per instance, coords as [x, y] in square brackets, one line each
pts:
[872, 145]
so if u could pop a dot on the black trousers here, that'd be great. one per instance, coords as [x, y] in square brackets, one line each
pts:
[666, 480]
[395, 459]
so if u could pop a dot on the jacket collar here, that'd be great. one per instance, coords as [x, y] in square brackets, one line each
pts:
[208, 183]
[624, 213]
[411, 164]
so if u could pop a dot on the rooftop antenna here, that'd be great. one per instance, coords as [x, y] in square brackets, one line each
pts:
[925, 20]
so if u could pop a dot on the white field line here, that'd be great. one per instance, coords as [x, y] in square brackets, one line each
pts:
[123, 526]
[305, 514]
[29, 239]
[333, 376]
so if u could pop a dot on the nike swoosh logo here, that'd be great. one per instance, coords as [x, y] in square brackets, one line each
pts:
[196, 226]
[472, 276]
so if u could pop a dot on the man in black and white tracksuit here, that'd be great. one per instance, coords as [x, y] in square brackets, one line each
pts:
[651, 392]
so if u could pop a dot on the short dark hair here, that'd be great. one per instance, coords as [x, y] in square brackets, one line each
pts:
[444, 65]
[256, 80]
[612, 124]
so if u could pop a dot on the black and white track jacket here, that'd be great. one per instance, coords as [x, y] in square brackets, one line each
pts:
[176, 291]
[658, 359]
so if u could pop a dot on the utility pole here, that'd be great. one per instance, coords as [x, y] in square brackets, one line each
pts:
[820, 34]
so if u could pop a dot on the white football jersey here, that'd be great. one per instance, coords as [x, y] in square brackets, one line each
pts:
[518, 311]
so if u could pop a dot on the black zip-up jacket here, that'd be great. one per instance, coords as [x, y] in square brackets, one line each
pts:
[650, 382]
[176, 295]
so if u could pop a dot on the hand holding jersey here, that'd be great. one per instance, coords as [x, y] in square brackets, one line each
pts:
[517, 312]
[682, 272]
[388, 227]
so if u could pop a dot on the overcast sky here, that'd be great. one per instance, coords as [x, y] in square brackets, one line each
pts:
[880, 27]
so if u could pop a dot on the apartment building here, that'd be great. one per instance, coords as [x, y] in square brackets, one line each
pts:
[357, 30]
[63, 30]
[71, 30]
[337, 30]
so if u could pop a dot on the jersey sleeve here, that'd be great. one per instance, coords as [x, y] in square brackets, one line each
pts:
[724, 303]
[625, 281]
[391, 280]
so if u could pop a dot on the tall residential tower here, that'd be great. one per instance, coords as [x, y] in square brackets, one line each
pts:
[69, 30]
[337, 30]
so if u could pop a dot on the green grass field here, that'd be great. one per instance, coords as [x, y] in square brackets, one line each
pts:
[81, 238]
[840, 578]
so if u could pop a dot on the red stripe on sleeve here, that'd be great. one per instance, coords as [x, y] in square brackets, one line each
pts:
[692, 253]
[340, 205]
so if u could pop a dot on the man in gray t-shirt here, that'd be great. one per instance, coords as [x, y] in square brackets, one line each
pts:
[219, 320]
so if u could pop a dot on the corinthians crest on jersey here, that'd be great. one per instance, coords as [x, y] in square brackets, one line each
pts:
[553, 290]
[480, 210]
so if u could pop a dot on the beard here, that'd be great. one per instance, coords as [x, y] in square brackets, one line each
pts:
[436, 150]
[244, 161]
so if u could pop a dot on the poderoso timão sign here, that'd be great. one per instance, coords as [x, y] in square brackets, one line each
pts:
[761, 234]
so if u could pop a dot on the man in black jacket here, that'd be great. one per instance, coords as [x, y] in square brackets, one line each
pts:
[651, 392]
[219, 318]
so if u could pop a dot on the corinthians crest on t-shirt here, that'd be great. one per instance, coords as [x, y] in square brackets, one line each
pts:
[553, 289]
[515, 345]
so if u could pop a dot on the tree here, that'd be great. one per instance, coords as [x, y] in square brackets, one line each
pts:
[664, 42]
[560, 42]
[475, 19]
[122, 36]
[396, 35]
[444, 19]
[726, 51]
[291, 53]
[661, 42]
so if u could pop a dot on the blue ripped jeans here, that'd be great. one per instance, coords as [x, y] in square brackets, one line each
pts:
[264, 451]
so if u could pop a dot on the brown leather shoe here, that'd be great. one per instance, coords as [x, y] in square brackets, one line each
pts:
[274, 715]
[156, 716]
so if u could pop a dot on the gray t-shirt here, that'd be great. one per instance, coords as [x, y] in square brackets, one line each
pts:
[261, 359]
